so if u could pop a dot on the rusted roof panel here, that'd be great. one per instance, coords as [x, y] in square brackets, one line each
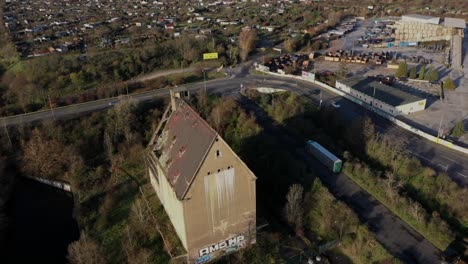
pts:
[182, 146]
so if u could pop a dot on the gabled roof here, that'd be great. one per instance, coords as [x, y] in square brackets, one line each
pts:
[182, 146]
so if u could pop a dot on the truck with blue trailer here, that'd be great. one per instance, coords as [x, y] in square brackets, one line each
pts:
[324, 156]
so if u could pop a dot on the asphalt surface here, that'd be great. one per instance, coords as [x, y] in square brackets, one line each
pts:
[454, 163]
[400, 239]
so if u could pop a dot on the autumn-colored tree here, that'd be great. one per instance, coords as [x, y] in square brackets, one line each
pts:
[247, 39]
[46, 157]
[294, 208]
[85, 251]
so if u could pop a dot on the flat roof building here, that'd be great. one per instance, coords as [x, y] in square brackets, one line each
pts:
[391, 100]
[207, 191]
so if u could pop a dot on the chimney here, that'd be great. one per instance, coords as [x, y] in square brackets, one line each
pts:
[173, 100]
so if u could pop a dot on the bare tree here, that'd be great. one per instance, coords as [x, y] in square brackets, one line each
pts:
[294, 209]
[85, 251]
[246, 42]
[46, 157]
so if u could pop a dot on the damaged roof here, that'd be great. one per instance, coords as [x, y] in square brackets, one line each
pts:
[182, 146]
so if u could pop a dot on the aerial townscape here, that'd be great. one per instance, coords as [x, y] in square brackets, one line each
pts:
[232, 132]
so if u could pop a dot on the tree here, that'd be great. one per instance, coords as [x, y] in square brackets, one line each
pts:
[85, 251]
[246, 42]
[432, 75]
[459, 129]
[342, 71]
[294, 208]
[45, 157]
[413, 73]
[289, 45]
[448, 84]
[402, 70]
[422, 71]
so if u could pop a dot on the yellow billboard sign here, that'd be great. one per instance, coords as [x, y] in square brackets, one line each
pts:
[210, 56]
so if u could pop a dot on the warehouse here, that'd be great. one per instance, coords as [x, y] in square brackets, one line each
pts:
[418, 28]
[389, 99]
[205, 188]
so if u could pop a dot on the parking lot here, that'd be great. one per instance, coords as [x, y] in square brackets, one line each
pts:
[438, 114]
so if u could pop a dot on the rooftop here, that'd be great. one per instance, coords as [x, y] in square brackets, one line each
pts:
[182, 146]
[454, 22]
[385, 93]
[420, 19]
[446, 22]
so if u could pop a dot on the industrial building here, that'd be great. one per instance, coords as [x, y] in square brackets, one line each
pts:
[205, 188]
[391, 100]
[418, 28]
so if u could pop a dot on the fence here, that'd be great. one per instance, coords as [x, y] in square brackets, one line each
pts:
[399, 123]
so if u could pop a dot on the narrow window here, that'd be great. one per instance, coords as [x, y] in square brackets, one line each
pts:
[218, 153]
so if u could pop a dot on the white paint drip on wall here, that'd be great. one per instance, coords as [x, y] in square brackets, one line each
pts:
[220, 195]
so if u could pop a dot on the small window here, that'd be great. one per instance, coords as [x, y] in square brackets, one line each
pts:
[218, 153]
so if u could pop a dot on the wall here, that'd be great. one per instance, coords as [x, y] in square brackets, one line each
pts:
[57, 184]
[172, 206]
[414, 31]
[412, 107]
[220, 204]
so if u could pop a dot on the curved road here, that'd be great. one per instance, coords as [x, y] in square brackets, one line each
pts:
[438, 157]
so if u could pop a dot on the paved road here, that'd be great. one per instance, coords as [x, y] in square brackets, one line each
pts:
[393, 233]
[431, 154]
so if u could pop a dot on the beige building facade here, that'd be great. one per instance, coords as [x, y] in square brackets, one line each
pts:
[206, 189]
[419, 28]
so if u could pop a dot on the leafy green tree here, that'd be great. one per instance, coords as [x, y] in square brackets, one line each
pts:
[459, 129]
[413, 73]
[402, 70]
[432, 75]
[422, 71]
[448, 84]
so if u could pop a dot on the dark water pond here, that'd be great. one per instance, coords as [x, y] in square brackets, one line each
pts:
[42, 224]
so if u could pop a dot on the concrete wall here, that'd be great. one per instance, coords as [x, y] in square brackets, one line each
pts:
[172, 206]
[414, 31]
[412, 107]
[220, 204]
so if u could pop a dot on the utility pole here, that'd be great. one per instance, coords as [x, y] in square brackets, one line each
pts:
[373, 100]
[320, 102]
[50, 105]
[204, 79]
[7, 132]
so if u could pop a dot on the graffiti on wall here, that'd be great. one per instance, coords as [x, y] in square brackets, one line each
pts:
[203, 259]
[230, 245]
